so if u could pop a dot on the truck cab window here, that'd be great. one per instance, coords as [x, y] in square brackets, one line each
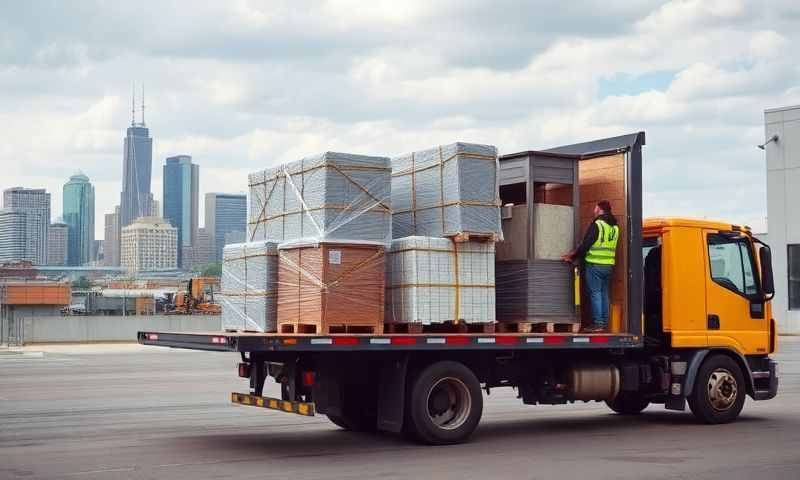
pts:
[732, 264]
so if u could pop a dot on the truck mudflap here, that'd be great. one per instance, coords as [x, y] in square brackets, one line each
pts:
[300, 408]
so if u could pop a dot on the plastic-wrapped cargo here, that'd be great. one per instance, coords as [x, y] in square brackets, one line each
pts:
[331, 196]
[331, 287]
[249, 286]
[446, 191]
[435, 280]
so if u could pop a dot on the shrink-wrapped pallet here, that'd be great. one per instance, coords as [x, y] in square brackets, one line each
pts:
[435, 280]
[331, 196]
[249, 286]
[331, 287]
[446, 191]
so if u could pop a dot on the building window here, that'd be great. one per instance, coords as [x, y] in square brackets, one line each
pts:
[794, 276]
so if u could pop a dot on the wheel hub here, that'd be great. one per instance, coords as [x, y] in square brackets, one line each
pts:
[722, 389]
[449, 403]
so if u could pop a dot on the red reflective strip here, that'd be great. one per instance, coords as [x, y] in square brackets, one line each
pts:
[505, 340]
[152, 336]
[554, 340]
[599, 339]
[457, 340]
[404, 341]
[345, 340]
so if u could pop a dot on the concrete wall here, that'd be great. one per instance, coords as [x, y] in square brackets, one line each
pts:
[111, 328]
[783, 198]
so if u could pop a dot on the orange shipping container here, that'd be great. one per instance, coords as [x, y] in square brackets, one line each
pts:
[331, 287]
[37, 294]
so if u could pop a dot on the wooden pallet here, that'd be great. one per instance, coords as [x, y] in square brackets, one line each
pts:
[459, 327]
[315, 329]
[538, 327]
[403, 328]
[462, 237]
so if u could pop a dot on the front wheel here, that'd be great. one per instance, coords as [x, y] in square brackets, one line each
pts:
[445, 403]
[719, 391]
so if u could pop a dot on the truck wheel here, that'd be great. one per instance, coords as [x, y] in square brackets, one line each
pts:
[354, 423]
[445, 403]
[628, 404]
[719, 391]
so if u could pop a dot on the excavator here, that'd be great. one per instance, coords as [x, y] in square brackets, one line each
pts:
[198, 298]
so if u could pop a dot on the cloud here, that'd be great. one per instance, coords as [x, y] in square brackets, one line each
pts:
[243, 85]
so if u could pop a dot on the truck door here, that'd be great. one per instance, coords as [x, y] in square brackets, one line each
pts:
[734, 308]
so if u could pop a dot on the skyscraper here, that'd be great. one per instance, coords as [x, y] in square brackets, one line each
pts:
[57, 235]
[35, 203]
[79, 216]
[181, 202]
[111, 247]
[225, 213]
[136, 199]
[14, 236]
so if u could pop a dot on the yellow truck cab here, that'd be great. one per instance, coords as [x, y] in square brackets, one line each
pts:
[707, 292]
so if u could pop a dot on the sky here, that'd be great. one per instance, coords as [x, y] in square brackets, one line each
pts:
[244, 85]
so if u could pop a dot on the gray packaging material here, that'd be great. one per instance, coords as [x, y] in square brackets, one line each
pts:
[434, 280]
[331, 196]
[249, 286]
[446, 190]
[535, 291]
[553, 231]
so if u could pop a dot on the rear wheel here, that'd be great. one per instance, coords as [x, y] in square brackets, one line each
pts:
[445, 403]
[719, 391]
[628, 403]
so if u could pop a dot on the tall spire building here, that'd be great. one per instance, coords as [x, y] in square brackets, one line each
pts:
[136, 199]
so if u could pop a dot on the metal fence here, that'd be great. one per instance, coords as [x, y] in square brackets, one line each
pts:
[12, 330]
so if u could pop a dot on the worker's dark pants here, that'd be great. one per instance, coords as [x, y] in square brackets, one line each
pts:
[598, 282]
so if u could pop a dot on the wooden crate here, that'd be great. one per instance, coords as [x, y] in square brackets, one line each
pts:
[331, 287]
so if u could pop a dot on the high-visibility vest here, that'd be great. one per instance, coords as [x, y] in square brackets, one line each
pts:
[602, 251]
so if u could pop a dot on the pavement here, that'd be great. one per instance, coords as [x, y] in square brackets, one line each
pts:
[135, 412]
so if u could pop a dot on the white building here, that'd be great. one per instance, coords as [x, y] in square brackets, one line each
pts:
[783, 212]
[149, 244]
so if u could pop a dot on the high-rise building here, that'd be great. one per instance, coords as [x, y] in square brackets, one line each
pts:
[136, 199]
[181, 201]
[14, 236]
[57, 243]
[149, 244]
[79, 215]
[35, 203]
[225, 213]
[111, 247]
[200, 254]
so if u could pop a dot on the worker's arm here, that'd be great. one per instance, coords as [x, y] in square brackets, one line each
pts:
[587, 242]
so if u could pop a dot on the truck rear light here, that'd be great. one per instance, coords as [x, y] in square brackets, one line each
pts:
[244, 370]
[218, 340]
[152, 337]
[308, 379]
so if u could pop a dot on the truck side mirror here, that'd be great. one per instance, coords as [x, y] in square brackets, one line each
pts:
[767, 281]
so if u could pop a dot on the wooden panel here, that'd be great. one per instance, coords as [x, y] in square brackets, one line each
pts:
[603, 178]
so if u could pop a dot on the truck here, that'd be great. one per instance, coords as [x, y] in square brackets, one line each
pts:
[698, 330]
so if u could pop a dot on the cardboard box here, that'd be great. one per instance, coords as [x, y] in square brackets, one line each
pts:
[331, 287]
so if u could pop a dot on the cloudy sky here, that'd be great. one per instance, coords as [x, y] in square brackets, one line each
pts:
[241, 85]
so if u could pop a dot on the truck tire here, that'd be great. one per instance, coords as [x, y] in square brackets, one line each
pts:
[719, 391]
[628, 404]
[354, 423]
[444, 404]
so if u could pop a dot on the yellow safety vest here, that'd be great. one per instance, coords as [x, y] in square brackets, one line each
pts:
[602, 251]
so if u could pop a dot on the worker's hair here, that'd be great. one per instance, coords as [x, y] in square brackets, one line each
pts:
[605, 206]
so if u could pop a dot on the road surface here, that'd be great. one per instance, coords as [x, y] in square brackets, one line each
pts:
[120, 412]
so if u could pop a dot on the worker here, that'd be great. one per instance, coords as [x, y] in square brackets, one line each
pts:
[597, 250]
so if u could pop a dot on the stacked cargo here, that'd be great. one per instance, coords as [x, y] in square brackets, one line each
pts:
[445, 221]
[249, 286]
[433, 280]
[331, 214]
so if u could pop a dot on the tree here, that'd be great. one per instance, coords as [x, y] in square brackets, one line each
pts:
[212, 270]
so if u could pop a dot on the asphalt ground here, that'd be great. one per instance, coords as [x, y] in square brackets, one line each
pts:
[133, 412]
